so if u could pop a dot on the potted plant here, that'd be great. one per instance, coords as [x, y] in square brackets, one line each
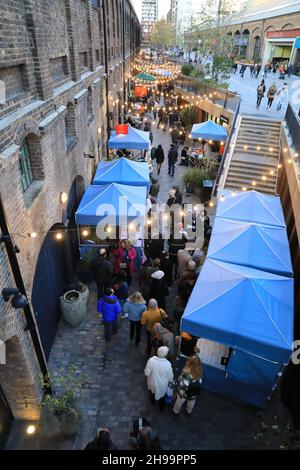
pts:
[73, 305]
[193, 180]
[60, 414]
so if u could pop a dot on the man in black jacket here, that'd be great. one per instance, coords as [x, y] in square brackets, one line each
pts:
[172, 158]
[103, 272]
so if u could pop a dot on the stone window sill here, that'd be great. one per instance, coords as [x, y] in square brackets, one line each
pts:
[90, 119]
[32, 192]
[71, 143]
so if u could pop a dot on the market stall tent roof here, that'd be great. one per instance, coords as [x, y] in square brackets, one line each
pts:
[209, 130]
[123, 171]
[257, 246]
[112, 202]
[144, 77]
[135, 139]
[252, 206]
[244, 308]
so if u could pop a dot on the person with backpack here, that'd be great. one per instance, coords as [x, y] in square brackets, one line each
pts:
[189, 385]
[261, 89]
[152, 315]
[162, 336]
[271, 95]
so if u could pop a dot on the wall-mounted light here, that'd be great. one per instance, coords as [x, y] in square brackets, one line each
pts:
[30, 430]
[63, 197]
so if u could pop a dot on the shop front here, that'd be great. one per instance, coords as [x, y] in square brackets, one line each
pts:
[281, 47]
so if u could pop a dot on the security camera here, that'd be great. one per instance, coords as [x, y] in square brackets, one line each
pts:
[18, 300]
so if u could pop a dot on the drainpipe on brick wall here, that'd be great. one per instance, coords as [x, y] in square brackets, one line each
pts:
[14, 264]
[106, 72]
[124, 63]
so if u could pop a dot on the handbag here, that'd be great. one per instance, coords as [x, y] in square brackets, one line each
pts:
[194, 389]
[169, 396]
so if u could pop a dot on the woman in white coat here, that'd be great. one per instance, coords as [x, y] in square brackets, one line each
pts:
[159, 373]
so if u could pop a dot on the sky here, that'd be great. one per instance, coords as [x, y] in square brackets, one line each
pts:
[163, 5]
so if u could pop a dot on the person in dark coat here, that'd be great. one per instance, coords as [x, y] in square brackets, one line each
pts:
[184, 157]
[155, 187]
[174, 246]
[103, 272]
[121, 289]
[160, 157]
[172, 159]
[102, 441]
[178, 195]
[167, 267]
[159, 288]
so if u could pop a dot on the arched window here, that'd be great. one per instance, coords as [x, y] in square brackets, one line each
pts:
[237, 41]
[90, 110]
[288, 26]
[244, 42]
[256, 50]
[70, 127]
[25, 166]
[30, 161]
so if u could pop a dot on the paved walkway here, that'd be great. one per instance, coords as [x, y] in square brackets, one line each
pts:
[115, 392]
[247, 86]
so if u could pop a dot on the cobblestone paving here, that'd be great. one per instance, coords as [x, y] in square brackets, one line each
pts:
[115, 392]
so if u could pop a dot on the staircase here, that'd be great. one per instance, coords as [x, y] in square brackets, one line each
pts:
[254, 162]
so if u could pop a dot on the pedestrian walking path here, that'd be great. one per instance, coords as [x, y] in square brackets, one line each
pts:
[247, 88]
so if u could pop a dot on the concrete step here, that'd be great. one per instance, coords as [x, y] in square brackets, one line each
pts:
[238, 187]
[257, 143]
[257, 172]
[261, 122]
[238, 181]
[240, 149]
[253, 131]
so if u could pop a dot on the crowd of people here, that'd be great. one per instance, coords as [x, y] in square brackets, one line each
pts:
[150, 288]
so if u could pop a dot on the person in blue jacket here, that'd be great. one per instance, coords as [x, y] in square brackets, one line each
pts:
[134, 308]
[110, 308]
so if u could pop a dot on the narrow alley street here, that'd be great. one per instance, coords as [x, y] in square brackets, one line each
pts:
[115, 392]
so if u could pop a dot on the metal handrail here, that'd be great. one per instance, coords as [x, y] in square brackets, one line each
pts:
[227, 146]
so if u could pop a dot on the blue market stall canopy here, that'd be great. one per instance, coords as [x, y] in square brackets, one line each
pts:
[123, 171]
[135, 139]
[113, 202]
[252, 206]
[257, 246]
[209, 130]
[163, 72]
[244, 308]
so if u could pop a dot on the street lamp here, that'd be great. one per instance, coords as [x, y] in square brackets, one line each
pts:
[18, 300]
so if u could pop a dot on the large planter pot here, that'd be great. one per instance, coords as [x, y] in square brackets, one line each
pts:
[73, 306]
[189, 188]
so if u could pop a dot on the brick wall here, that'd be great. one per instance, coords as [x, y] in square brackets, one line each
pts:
[37, 32]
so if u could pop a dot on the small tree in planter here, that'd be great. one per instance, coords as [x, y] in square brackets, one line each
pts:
[193, 180]
[60, 415]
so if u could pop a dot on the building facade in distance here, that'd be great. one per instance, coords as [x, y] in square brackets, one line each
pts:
[149, 17]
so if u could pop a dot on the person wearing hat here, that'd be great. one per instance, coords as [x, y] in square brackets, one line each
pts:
[159, 374]
[103, 271]
[159, 289]
[152, 315]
